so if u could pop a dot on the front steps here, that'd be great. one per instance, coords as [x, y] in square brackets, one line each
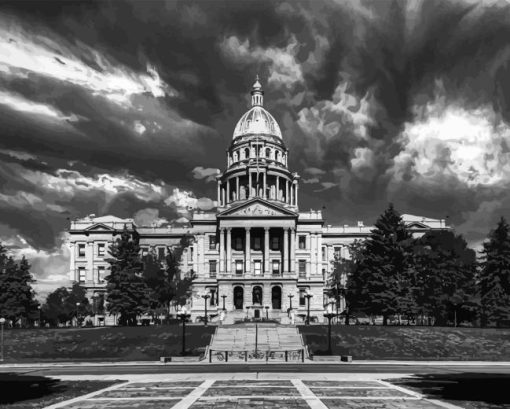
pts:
[250, 341]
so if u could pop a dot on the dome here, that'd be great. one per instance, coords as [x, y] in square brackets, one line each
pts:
[257, 121]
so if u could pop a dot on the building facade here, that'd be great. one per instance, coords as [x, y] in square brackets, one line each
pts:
[257, 255]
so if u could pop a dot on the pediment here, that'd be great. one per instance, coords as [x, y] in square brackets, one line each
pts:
[416, 225]
[257, 208]
[99, 227]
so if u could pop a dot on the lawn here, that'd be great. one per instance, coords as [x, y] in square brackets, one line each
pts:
[34, 392]
[105, 343]
[421, 343]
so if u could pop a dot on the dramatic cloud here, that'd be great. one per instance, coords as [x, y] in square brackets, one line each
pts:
[209, 174]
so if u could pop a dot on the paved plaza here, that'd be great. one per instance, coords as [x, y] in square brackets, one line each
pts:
[296, 391]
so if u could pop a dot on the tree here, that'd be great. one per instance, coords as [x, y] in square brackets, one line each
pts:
[445, 277]
[17, 299]
[56, 309]
[495, 276]
[78, 295]
[127, 293]
[382, 276]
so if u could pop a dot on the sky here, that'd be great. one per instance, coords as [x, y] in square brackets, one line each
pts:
[127, 108]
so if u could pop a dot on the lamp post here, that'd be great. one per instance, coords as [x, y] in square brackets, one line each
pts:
[290, 301]
[183, 315]
[205, 296]
[77, 314]
[267, 312]
[308, 295]
[224, 296]
[329, 315]
[2, 322]
[39, 308]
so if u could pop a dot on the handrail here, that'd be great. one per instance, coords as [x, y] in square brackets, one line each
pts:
[270, 354]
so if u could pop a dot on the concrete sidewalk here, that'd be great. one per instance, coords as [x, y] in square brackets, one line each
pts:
[205, 363]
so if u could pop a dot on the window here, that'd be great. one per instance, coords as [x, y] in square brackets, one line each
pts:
[81, 274]
[275, 243]
[323, 253]
[302, 268]
[214, 299]
[145, 251]
[161, 253]
[212, 242]
[239, 243]
[276, 266]
[257, 267]
[191, 254]
[212, 268]
[324, 274]
[101, 249]
[239, 267]
[256, 243]
[337, 251]
[302, 242]
[302, 299]
[81, 250]
[100, 274]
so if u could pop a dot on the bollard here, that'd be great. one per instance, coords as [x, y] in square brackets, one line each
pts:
[226, 356]
[210, 356]
[245, 356]
[286, 356]
[302, 355]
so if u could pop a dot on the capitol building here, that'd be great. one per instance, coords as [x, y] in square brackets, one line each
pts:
[257, 254]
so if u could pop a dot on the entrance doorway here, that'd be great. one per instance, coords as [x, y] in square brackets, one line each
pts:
[257, 295]
[256, 314]
[276, 298]
[238, 298]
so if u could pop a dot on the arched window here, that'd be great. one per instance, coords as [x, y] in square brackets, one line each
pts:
[268, 153]
[276, 298]
[238, 298]
[246, 153]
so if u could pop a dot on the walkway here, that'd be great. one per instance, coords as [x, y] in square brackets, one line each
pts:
[293, 391]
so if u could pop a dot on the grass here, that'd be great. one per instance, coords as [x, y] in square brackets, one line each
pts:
[410, 343]
[468, 390]
[105, 343]
[33, 392]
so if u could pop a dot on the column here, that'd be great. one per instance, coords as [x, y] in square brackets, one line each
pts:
[277, 187]
[229, 250]
[201, 256]
[296, 193]
[219, 193]
[266, 250]
[249, 195]
[223, 197]
[292, 267]
[285, 267]
[264, 192]
[72, 273]
[313, 256]
[222, 250]
[237, 188]
[247, 255]
[287, 191]
[228, 192]
[195, 256]
[319, 254]
[90, 261]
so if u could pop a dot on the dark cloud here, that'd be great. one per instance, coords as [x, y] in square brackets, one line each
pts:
[128, 107]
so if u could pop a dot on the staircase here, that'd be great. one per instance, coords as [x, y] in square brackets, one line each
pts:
[272, 342]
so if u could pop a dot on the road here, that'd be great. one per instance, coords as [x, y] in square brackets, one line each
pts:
[417, 368]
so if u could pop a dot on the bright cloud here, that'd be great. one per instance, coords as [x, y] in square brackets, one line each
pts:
[285, 69]
[23, 52]
[209, 174]
[450, 141]
[185, 202]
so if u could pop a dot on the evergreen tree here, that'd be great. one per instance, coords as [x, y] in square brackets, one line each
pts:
[154, 276]
[126, 292]
[445, 277]
[495, 276]
[382, 280]
[77, 295]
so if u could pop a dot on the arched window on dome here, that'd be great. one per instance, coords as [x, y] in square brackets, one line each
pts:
[277, 156]
[235, 157]
[246, 153]
[268, 153]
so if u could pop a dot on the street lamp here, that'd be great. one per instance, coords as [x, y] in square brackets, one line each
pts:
[2, 322]
[39, 308]
[267, 312]
[183, 315]
[205, 296]
[308, 295]
[224, 296]
[290, 301]
[77, 314]
[329, 315]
